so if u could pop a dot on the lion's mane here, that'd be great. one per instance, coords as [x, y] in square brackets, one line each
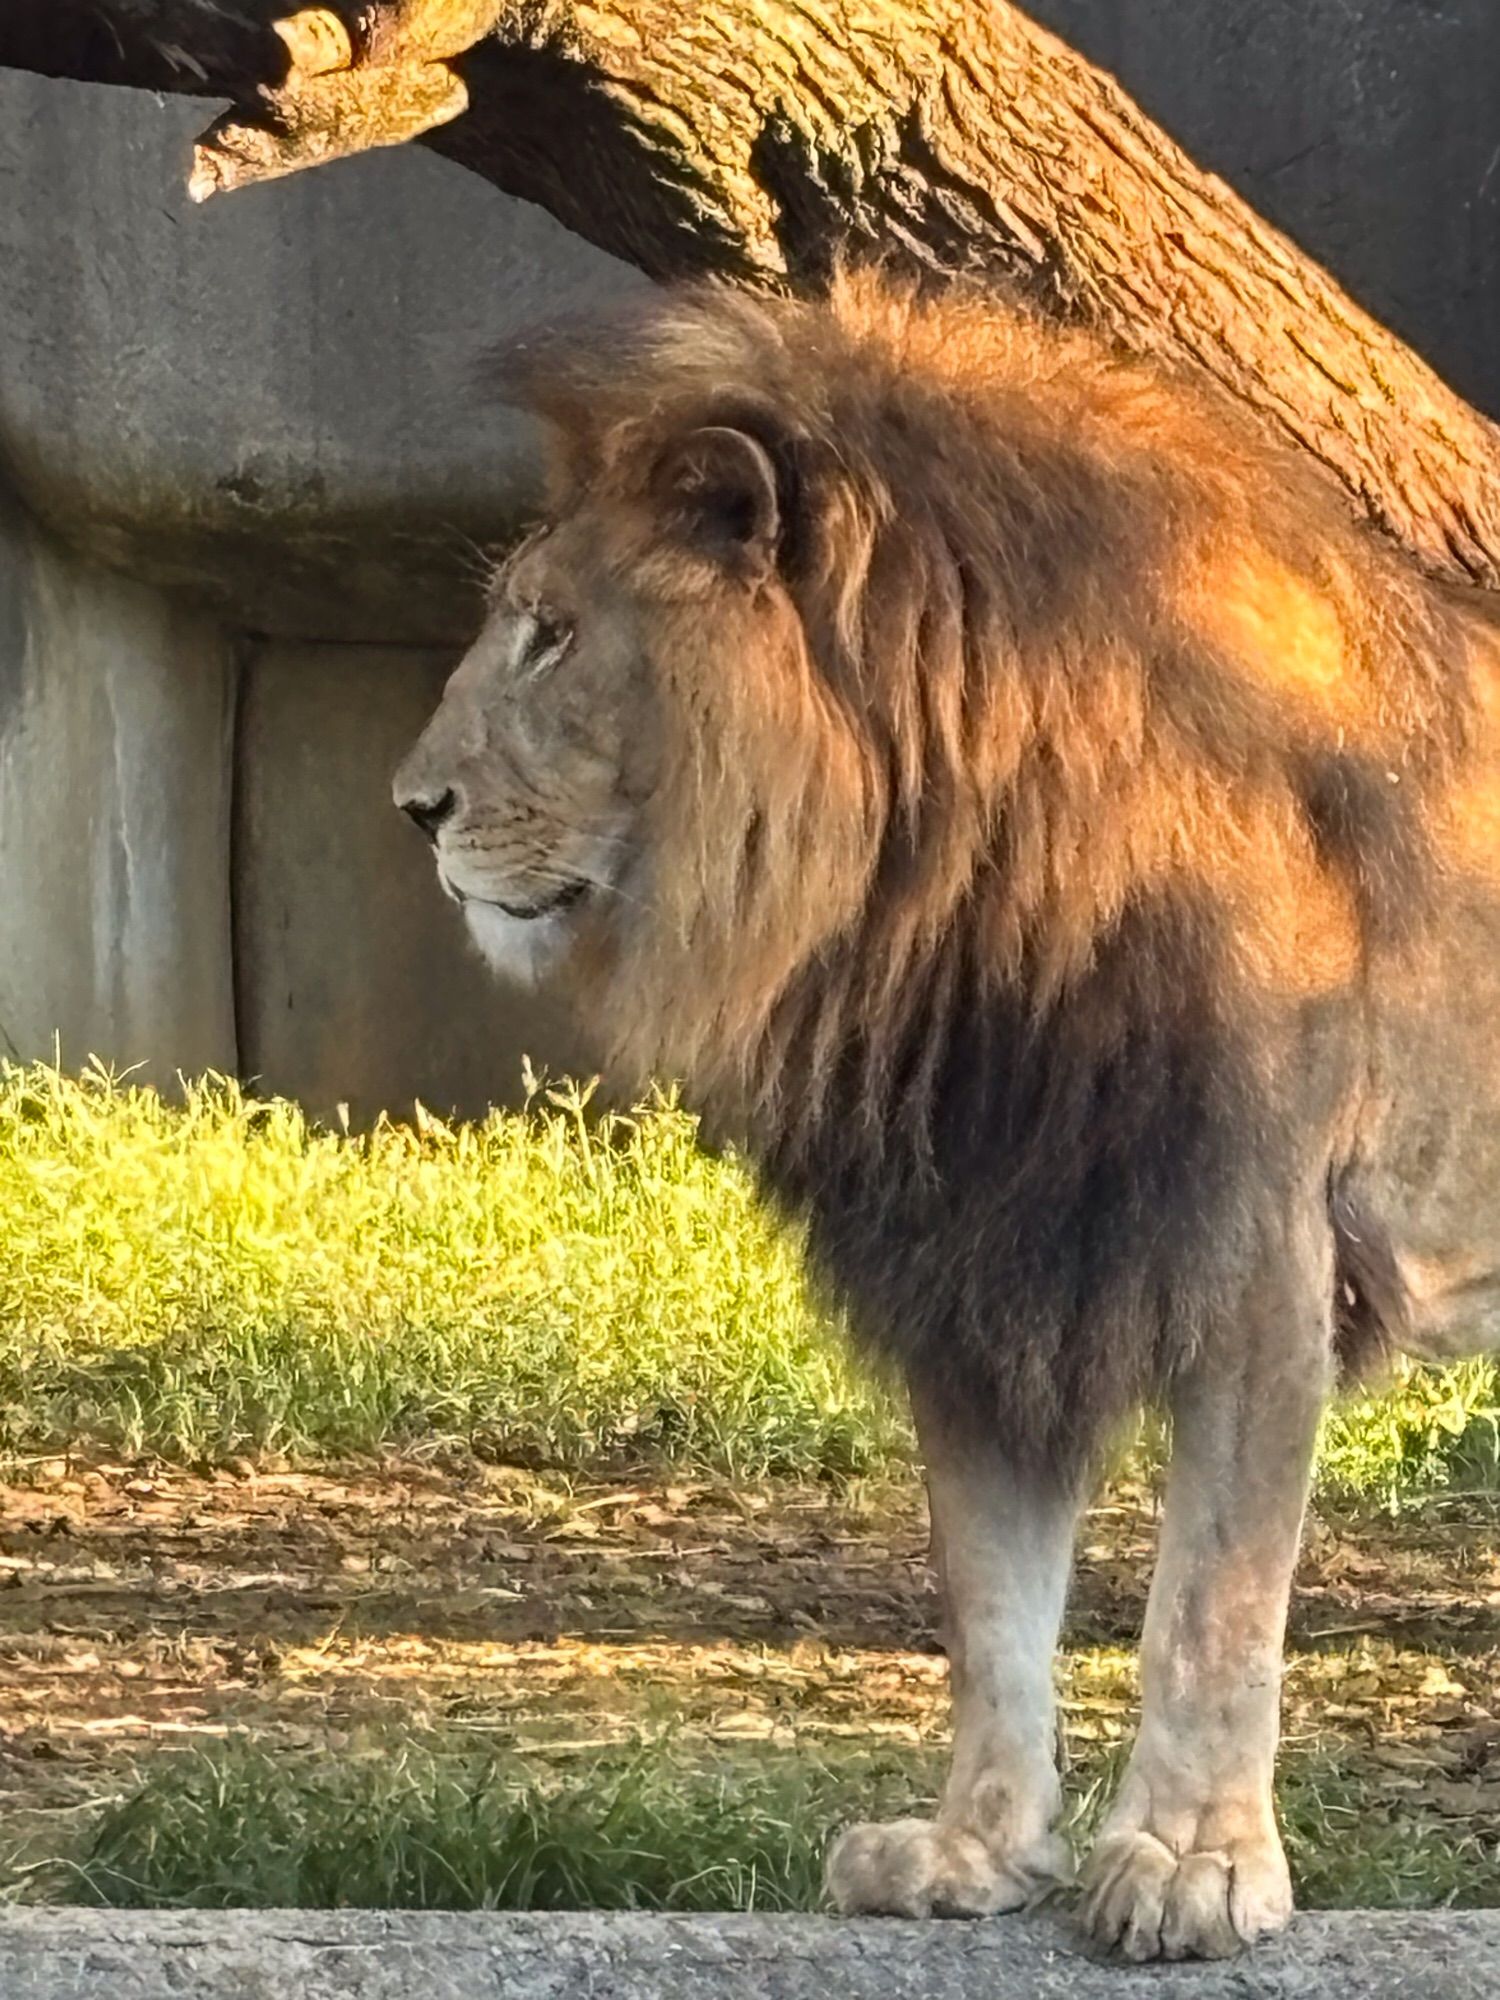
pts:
[1016, 872]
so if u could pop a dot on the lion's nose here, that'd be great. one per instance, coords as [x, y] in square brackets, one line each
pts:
[429, 814]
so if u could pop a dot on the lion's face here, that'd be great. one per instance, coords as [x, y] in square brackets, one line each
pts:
[638, 765]
[529, 777]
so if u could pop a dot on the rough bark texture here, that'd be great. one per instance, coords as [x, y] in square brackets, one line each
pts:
[748, 138]
[322, 1955]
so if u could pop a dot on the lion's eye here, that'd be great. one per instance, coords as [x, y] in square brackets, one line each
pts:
[546, 643]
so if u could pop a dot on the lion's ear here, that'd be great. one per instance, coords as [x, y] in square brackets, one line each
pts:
[718, 487]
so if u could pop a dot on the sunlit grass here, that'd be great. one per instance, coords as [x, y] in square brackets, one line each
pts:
[221, 1278]
[224, 1278]
[1436, 1430]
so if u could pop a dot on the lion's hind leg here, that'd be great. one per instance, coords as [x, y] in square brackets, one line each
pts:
[1003, 1545]
[1189, 1863]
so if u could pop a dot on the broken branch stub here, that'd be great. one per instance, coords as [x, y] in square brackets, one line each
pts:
[331, 105]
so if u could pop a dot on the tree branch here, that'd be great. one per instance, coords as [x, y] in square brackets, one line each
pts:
[220, 48]
[338, 97]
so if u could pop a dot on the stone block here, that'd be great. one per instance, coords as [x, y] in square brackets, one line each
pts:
[115, 710]
[591, 1955]
[270, 400]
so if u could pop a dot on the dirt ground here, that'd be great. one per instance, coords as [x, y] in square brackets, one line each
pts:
[141, 1610]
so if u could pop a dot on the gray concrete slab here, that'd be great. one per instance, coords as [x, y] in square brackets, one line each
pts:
[348, 1955]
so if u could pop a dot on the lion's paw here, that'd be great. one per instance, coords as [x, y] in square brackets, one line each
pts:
[919, 1868]
[1146, 1901]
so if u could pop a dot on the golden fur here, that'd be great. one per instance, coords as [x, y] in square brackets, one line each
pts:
[1060, 629]
[1008, 790]
[1027, 814]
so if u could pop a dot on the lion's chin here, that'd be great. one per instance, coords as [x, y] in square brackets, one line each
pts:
[522, 950]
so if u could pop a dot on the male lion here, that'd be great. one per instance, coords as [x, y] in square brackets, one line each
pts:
[1013, 795]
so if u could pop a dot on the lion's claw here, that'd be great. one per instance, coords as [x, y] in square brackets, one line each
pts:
[920, 1868]
[1146, 1901]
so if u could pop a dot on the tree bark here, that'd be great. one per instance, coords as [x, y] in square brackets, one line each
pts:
[749, 139]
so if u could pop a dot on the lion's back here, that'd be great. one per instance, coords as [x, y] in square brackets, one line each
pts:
[1131, 760]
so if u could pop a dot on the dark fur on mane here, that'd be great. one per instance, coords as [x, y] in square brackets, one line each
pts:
[1089, 745]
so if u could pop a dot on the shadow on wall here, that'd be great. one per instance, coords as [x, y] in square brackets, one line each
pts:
[203, 867]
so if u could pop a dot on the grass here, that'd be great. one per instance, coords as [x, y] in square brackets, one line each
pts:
[1349, 1852]
[1437, 1431]
[221, 1278]
[406, 1827]
[224, 1279]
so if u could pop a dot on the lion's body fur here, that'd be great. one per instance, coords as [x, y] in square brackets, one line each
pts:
[1012, 793]
[1024, 890]
[1020, 867]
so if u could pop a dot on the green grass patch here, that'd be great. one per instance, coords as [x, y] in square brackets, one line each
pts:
[402, 1827]
[407, 1828]
[1351, 1848]
[1437, 1431]
[222, 1278]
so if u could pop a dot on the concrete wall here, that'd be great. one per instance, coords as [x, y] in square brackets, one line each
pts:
[202, 866]
[115, 709]
[251, 471]
[269, 400]
[244, 452]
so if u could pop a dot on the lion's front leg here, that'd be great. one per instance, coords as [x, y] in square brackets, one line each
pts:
[1189, 1862]
[1002, 1545]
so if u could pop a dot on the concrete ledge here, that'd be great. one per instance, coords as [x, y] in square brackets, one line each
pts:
[338, 1955]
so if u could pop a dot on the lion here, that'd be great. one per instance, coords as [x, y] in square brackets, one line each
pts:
[1018, 801]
